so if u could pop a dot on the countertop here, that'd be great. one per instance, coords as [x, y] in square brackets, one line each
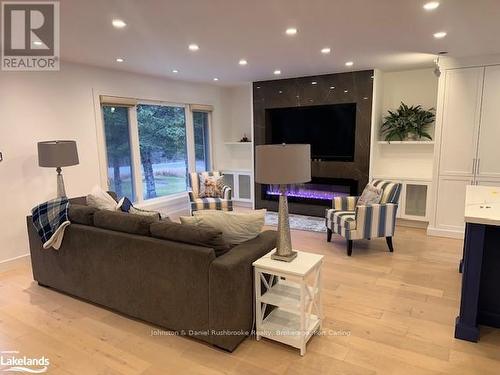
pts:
[482, 205]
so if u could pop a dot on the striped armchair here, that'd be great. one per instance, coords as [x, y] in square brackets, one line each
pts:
[223, 204]
[354, 222]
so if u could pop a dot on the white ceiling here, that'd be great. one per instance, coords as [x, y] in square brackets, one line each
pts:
[384, 34]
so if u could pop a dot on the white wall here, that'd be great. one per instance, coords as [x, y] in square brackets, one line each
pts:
[405, 161]
[37, 106]
[238, 104]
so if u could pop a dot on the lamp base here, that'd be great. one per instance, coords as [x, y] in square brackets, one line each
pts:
[284, 258]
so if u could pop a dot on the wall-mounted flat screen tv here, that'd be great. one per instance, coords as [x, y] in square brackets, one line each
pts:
[329, 129]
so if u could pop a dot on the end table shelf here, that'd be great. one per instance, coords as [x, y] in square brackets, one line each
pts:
[294, 289]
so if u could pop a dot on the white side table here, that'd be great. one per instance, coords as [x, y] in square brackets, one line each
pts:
[295, 290]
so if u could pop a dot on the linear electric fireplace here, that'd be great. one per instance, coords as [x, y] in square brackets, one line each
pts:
[319, 192]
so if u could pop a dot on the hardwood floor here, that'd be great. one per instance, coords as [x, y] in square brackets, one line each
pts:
[396, 312]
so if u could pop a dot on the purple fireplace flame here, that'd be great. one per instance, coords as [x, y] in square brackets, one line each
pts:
[309, 191]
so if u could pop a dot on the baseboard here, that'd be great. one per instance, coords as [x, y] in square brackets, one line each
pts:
[437, 232]
[13, 259]
[243, 204]
[412, 223]
[7, 264]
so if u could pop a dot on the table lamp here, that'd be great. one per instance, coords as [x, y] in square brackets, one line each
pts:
[283, 165]
[57, 154]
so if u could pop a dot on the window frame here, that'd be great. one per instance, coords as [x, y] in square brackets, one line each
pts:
[135, 146]
[209, 138]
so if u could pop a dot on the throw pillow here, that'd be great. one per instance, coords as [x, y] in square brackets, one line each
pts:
[126, 205]
[211, 186]
[236, 227]
[191, 234]
[101, 200]
[371, 195]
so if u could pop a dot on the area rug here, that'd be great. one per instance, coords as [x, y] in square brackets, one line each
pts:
[299, 222]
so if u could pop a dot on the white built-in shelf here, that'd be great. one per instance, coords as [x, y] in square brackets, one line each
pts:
[238, 143]
[283, 325]
[406, 142]
[284, 294]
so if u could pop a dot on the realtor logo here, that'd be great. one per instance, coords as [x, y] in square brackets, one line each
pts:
[30, 35]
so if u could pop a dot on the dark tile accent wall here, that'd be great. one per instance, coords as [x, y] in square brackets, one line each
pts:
[352, 87]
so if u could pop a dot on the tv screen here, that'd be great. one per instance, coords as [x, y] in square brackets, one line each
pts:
[329, 129]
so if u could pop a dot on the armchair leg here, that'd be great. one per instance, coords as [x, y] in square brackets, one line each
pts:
[389, 243]
[349, 247]
[328, 234]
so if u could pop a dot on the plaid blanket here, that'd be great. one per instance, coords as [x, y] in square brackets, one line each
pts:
[50, 220]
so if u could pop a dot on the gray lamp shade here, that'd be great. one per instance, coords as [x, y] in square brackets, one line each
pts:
[282, 164]
[57, 154]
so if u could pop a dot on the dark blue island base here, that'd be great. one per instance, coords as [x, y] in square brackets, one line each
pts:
[480, 301]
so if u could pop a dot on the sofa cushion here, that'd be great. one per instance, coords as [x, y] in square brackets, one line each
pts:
[190, 234]
[236, 227]
[124, 222]
[81, 214]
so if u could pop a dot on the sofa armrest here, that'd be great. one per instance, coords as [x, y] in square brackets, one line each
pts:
[376, 220]
[226, 192]
[345, 203]
[231, 291]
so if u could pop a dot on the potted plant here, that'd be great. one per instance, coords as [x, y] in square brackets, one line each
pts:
[407, 122]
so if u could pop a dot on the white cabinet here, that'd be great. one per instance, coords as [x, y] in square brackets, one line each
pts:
[488, 156]
[469, 142]
[461, 115]
[451, 203]
[241, 185]
[488, 181]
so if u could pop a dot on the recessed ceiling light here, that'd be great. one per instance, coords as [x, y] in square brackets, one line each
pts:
[440, 34]
[37, 43]
[346, 91]
[175, 71]
[291, 31]
[119, 24]
[277, 72]
[216, 79]
[326, 50]
[242, 62]
[314, 83]
[431, 5]
[120, 60]
[332, 87]
[193, 47]
[349, 63]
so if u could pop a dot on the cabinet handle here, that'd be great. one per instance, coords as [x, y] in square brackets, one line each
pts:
[477, 165]
[473, 166]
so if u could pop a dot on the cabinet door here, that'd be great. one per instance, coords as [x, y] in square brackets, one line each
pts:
[415, 197]
[451, 203]
[488, 181]
[489, 130]
[460, 126]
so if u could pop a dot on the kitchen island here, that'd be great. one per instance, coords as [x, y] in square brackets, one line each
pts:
[480, 300]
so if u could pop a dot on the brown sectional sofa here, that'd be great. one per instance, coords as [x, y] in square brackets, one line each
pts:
[174, 285]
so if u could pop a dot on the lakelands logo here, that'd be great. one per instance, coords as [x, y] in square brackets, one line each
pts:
[30, 35]
[11, 361]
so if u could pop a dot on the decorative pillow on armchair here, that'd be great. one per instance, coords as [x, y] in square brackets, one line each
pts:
[211, 186]
[371, 195]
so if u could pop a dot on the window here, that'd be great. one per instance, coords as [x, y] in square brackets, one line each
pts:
[201, 141]
[116, 126]
[162, 142]
[149, 150]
